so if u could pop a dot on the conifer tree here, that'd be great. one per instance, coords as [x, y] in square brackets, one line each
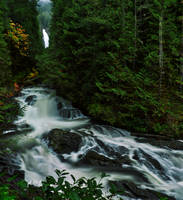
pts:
[5, 61]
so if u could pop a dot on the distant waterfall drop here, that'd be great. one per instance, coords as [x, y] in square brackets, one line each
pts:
[45, 38]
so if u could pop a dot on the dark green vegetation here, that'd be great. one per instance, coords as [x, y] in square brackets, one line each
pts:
[5, 61]
[20, 42]
[81, 189]
[23, 15]
[120, 61]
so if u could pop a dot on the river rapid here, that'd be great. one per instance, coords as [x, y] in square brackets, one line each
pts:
[149, 167]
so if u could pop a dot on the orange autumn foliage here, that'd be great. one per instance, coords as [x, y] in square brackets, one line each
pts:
[17, 36]
[16, 87]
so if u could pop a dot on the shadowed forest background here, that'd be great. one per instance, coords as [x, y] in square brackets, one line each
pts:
[121, 61]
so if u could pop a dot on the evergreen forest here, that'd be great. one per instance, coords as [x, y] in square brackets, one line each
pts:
[119, 60]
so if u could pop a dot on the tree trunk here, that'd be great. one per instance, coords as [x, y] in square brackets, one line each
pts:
[161, 51]
[181, 52]
[135, 32]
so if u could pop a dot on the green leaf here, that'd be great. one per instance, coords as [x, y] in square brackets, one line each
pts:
[73, 178]
[74, 196]
[12, 178]
[113, 188]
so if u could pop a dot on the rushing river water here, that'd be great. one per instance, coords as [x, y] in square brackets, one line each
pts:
[37, 160]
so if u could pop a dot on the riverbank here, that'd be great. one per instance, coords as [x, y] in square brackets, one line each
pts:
[9, 109]
[114, 118]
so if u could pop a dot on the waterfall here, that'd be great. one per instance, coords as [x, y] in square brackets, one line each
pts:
[45, 38]
[44, 10]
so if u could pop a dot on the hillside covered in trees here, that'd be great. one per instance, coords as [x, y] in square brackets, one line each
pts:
[120, 61]
[20, 42]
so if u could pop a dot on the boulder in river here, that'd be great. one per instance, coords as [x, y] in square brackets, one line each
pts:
[31, 100]
[101, 161]
[63, 141]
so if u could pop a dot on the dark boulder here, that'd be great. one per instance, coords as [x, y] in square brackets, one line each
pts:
[63, 141]
[24, 128]
[59, 106]
[31, 100]
[98, 160]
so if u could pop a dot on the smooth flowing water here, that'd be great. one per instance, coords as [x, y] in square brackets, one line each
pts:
[45, 38]
[42, 114]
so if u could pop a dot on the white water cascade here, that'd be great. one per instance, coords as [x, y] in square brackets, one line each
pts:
[45, 38]
[140, 161]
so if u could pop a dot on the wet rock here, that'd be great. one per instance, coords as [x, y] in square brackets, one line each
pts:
[31, 100]
[114, 152]
[17, 130]
[100, 161]
[24, 128]
[59, 106]
[131, 190]
[71, 113]
[95, 159]
[10, 167]
[63, 141]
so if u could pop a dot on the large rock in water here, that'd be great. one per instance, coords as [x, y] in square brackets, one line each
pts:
[66, 142]
[31, 100]
[63, 141]
[10, 168]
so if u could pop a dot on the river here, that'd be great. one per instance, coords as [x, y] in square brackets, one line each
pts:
[148, 166]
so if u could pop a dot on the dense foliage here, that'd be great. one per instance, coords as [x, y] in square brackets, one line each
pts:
[120, 61]
[61, 189]
[25, 13]
[5, 60]
[20, 42]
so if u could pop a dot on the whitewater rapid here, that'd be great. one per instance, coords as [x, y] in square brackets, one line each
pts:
[37, 160]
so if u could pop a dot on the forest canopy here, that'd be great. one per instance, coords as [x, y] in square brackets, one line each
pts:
[121, 61]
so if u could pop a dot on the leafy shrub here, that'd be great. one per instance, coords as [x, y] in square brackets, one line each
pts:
[60, 189]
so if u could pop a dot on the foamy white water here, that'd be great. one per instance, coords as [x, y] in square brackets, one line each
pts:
[45, 38]
[162, 167]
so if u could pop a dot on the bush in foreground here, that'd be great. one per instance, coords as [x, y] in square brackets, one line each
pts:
[61, 189]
